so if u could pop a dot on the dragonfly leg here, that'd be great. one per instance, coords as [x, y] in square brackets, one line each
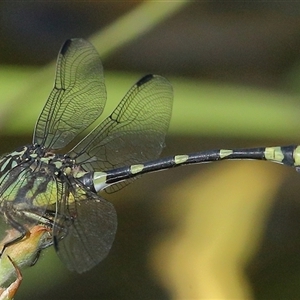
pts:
[24, 232]
[37, 256]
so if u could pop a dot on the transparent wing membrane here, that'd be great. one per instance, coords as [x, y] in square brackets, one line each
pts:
[84, 230]
[134, 132]
[78, 96]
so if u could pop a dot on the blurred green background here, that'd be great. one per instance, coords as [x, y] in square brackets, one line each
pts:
[219, 231]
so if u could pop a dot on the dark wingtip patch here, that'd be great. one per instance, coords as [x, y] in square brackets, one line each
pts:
[65, 46]
[144, 79]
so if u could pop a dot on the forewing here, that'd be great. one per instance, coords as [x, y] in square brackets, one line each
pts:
[78, 96]
[134, 132]
[84, 230]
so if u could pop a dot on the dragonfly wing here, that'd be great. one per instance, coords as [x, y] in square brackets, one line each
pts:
[84, 230]
[77, 99]
[134, 132]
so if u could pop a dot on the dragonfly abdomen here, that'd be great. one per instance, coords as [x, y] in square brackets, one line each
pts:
[287, 155]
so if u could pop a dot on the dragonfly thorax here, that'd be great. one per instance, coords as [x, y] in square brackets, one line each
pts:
[37, 157]
[30, 170]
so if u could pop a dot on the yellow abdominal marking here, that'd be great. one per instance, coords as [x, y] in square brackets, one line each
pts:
[99, 180]
[274, 154]
[296, 156]
[224, 152]
[134, 169]
[180, 159]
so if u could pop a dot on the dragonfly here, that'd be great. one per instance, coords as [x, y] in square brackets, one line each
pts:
[53, 183]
